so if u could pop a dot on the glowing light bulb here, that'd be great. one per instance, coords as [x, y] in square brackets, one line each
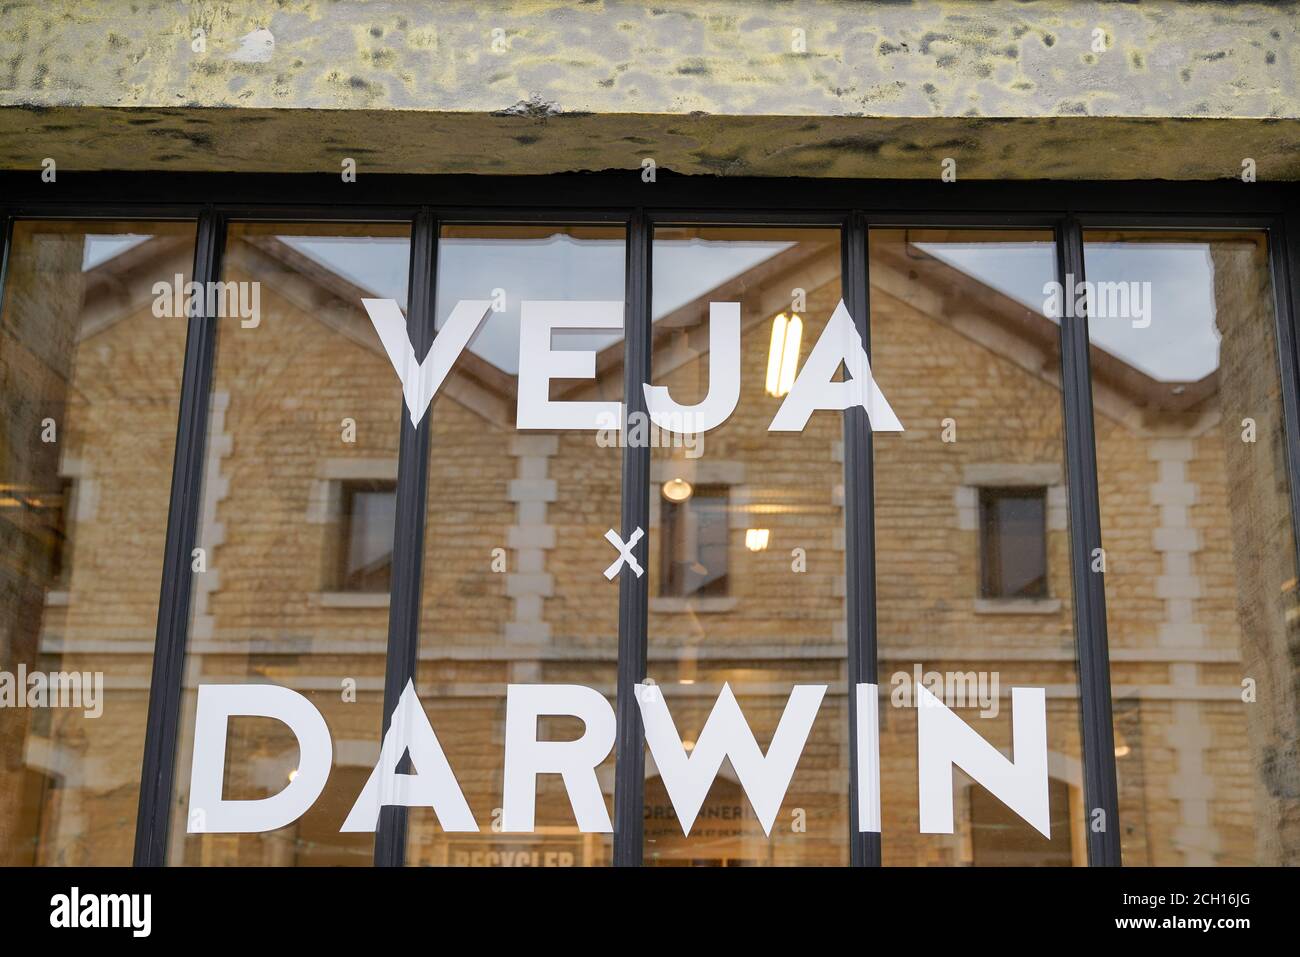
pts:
[677, 490]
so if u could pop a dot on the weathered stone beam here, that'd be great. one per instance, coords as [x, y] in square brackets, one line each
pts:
[87, 138]
[808, 87]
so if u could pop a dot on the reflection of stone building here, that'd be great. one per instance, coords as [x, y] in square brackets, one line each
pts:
[81, 529]
[1195, 524]
[1185, 504]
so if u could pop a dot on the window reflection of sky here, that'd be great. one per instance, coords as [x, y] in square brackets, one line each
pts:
[1180, 345]
[378, 264]
[99, 249]
[562, 267]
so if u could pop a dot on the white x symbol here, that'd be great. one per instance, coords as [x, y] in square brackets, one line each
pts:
[624, 552]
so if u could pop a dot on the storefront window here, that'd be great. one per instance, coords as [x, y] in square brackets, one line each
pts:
[972, 538]
[514, 541]
[964, 582]
[1199, 555]
[296, 529]
[91, 350]
[747, 524]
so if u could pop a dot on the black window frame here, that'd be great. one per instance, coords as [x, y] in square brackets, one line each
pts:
[211, 200]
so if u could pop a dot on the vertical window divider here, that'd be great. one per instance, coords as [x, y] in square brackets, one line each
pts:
[633, 591]
[6, 234]
[409, 523]
[158, 766]
[1098, 737]
[1284, 264]
[859, 530]
[6, 227]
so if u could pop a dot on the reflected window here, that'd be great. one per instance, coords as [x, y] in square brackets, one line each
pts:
[963, 339]
[732, 602]
[514, 546]
[297, 527]
[1196, 522]
[91, 352]
[1013, 543]
[369, 510]
[997, 840]
[695, 542]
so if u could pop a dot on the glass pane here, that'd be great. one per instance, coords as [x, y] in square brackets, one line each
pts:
[746, 543]
[1200, 562]
[514, 549]
[972, 561]
[296, 528]
[91, 351]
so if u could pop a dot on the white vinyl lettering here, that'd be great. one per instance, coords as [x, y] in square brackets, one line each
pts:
[814, 390]
[539, 363]
[421, 380]
[575, 761]
[944, 740]
[208, 811]
[868, 728]
[724, 379]
[432, 785]
[726, 734]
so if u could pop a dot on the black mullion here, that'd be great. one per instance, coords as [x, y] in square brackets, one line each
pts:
[1284, 256]
[1099, 783]
[74, 211]
[953, 219]
[1175, 221]
[158, 766]
[508, 215]
[757, 216]
[633, 591]
[859, 532]
[6, 229]
[324, 194]
[408, 531]
[283, 214]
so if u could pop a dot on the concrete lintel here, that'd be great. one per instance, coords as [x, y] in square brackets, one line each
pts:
[1048, 89]
[283, 141]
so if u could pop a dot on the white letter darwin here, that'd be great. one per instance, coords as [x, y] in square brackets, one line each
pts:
[208, 812]
[432, 785]
[576, 761]
[726, 734]
[943, 739]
